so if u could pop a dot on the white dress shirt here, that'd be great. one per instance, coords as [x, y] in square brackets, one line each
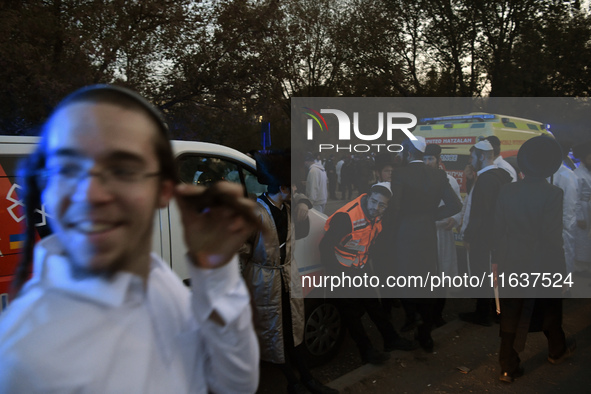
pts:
[446, 245]
[504, 164]
[67, 334]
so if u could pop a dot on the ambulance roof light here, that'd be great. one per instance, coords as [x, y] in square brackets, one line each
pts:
[459, 117]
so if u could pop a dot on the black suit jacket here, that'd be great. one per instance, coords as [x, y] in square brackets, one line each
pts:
[528, 239]
[482, 212]
[528, 230]
[479, 232]
[408, 242]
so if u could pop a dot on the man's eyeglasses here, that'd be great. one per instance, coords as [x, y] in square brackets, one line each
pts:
[72, 173]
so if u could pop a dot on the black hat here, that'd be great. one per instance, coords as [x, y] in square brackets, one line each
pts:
[494, 140]
[274, 168]
[384, 159]
[91, 90]
[433, 150]
[539, 157]
[582, 150]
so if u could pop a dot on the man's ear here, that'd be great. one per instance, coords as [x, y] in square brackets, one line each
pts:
[285, 189]
[166, 193]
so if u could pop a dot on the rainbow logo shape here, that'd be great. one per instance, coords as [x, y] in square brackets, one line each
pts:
[315, 116]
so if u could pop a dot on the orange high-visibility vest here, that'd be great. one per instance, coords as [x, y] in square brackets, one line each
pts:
[352, 250]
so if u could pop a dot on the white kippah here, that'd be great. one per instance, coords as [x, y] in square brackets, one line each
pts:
[419, 143]
[385, 185]
[483, 145]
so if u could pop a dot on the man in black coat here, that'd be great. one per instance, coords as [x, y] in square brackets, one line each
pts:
[478, 233]
[408, 244]
[528, 239]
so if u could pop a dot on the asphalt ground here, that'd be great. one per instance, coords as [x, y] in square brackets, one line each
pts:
[458, 345]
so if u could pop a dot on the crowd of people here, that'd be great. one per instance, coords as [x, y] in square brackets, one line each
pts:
[353, 173]
[100, 313]
[509, 218]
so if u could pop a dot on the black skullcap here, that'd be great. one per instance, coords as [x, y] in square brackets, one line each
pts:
[494, 141]
[274, 167]
[89, 91]
[433, 150]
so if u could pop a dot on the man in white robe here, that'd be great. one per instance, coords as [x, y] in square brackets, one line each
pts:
[566, 179]
[583, 209]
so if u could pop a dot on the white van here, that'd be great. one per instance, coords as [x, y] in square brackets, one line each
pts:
[198, 163]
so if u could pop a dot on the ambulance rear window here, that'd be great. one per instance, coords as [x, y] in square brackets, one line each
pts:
[477, 126]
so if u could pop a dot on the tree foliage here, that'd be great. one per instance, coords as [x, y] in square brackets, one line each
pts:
[219, 68]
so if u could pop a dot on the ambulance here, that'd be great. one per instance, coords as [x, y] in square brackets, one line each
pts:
[458, 133]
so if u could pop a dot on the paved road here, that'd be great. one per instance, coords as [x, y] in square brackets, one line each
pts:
[459, 344]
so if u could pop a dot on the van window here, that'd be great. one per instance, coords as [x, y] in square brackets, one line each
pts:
[206, 170]
[253, 187]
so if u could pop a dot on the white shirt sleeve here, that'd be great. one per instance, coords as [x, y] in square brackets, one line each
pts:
[232, 362]
[456, 188]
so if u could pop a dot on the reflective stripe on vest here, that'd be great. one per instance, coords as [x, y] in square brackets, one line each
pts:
[352, 249]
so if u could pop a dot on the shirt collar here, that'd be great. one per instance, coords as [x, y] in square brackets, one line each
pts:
[52, 270]
[492, 166]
